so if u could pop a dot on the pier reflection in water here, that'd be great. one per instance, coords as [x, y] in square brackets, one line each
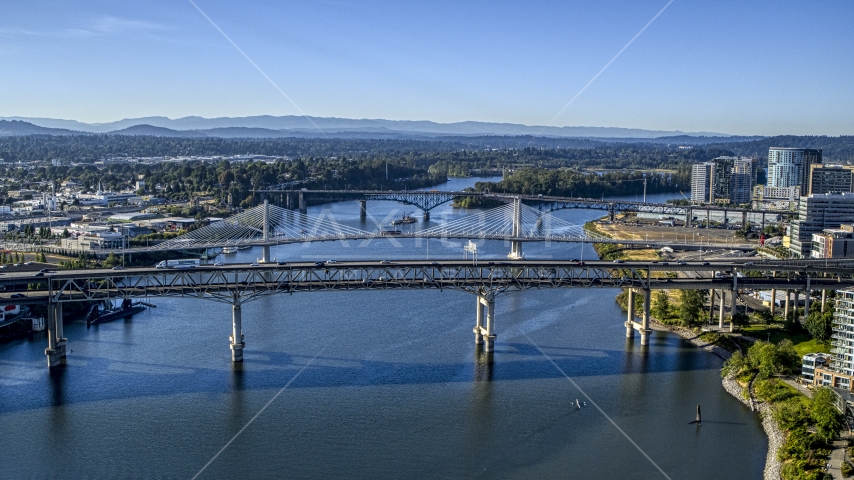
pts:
[399, 391]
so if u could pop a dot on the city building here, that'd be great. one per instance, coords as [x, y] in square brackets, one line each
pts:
[741, 180]
[831, 179]
[781, 193]
[834, 243]
[816, 213]
[790, 167]
[702, 182]
[808, 364]
[724, 166]
[839, 372]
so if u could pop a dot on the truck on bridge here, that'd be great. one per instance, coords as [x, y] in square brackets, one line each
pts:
[188, 263]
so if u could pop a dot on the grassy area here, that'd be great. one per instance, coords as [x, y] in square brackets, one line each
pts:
[803, 341]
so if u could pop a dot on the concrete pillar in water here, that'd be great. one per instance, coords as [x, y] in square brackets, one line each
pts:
[426, 215]
[489, 336]
[363, 209]
[630, 321]
[61, 341]
[645, 330]
[478, 326]
[52, 352]
[236, 337]
[302, 206]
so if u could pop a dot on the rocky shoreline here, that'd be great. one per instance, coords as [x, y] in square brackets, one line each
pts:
[775, 435]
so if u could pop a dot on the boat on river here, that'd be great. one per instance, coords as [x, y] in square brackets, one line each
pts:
[10, 314]
[125, 310]
[228, 250]
[406, 218]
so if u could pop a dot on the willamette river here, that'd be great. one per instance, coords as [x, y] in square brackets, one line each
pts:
[393, 386]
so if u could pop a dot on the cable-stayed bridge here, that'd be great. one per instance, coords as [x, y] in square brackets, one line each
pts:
[268, 225]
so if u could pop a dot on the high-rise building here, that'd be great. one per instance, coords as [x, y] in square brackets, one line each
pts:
[724, 167]
[815, 213]
[842, 350]
[702, 182]
[834, 242]
[831, 179]
[742, 179]
[790, 167]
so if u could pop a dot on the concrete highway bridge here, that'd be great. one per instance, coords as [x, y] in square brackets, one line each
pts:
[238, 284]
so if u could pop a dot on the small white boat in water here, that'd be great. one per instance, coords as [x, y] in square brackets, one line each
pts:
[227, 250]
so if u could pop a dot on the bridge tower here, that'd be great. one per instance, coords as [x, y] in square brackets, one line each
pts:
[516, 245]
[483, 329]
[266, 231]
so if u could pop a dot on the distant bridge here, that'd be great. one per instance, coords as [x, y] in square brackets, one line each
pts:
[426, 200]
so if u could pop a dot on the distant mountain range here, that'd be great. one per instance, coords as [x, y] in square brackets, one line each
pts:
[266, 126]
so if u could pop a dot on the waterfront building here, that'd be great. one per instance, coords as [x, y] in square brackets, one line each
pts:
[816, 213]
[702, 182]
[839, 372]
[834, 243]
[831, 179]
[790, 167]
[808, 364]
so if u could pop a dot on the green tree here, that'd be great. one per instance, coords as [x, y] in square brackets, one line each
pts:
[112, 260]
[660, 305]
[691, 306]
[740, 319]
[823, 411]
[820, 325]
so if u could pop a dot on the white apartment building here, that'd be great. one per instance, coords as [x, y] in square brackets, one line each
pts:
[817, 213]
[702, 182]
[790, 167]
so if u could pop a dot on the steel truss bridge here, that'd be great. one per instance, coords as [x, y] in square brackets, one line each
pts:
[238, 284]
[428, 200]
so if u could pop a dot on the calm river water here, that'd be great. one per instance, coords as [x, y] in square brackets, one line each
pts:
[393, 387]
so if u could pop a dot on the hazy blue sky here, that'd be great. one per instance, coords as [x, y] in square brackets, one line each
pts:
[755, 67]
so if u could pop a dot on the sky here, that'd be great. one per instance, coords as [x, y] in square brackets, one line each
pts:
[734, 67]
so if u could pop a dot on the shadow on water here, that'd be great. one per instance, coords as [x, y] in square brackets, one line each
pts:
[270, 369]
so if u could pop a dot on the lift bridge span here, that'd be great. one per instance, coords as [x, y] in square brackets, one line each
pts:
[238, 284]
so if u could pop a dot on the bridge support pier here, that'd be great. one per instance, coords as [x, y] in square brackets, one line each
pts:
[807, 300]
[363, 209]
[484, 327]
[426, 215]
[302, 206]
[265, 255]
[688, 217]
[733, 309]
[478, 326]
[786, 306]
[823, 299]
[56, 343]
[722, 294]
[743, 220]
[711, 305]
[630, 321]
[645, 330]
[236, 337]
